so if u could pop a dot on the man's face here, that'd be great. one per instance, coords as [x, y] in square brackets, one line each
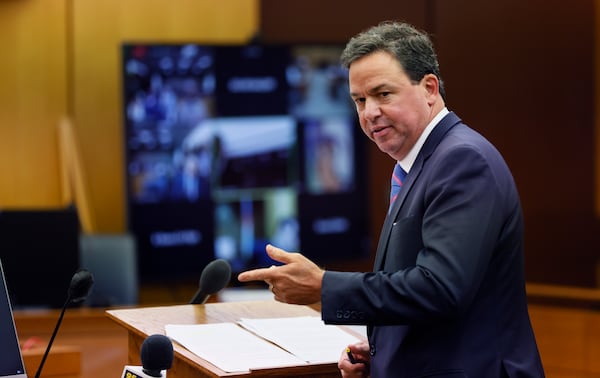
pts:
[393, 111]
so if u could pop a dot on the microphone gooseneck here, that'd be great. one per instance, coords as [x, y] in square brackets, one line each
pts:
[214, 277]
[156, 354]
[80, 287]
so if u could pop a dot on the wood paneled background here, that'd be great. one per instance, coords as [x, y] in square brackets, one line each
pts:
[522, 73]
[61, 58]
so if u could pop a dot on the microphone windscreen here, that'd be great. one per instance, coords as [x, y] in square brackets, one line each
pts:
[157, 353]
[81, 285]
[215, 276]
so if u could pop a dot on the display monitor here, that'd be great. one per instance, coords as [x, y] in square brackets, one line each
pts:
[231, 147]
[11, 359]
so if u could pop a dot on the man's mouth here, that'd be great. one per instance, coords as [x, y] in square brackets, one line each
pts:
[378, 129]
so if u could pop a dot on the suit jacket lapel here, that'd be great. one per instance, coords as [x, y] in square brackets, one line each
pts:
[429, 146]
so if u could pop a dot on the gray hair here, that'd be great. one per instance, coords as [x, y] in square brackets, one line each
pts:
[411, 47]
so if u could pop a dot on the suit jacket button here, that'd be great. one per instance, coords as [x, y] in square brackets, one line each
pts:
[372, 350]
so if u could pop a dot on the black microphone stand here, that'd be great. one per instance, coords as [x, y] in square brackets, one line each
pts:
[80, 286]
[62, 314]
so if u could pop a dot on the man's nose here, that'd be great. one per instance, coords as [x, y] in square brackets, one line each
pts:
[371, 110]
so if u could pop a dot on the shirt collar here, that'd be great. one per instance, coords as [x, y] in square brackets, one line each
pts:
[410, 158]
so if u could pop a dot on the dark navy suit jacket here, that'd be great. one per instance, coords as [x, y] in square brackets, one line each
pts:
[447, 295]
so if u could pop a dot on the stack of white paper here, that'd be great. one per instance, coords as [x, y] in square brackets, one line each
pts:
[263, 343]
[306, 337]
[230, 348]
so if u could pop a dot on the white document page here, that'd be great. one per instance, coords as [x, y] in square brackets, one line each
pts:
[230, 348]
[307, 337]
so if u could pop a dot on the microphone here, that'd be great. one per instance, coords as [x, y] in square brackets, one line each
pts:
[79, 288]
[157, 356]
[214, 277]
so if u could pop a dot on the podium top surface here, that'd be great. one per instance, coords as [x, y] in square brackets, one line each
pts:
[145, 321]
[150, 320]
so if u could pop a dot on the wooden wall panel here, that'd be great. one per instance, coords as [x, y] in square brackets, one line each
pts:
[522, 74]
[597, 105]
[99, 28]
[332, 21]
[33, 98]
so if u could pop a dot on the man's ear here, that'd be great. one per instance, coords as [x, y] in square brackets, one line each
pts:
[431, 85]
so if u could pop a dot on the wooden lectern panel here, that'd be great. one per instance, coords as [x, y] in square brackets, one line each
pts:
[143, 322]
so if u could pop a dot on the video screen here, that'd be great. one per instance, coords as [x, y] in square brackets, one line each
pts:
[229, 148]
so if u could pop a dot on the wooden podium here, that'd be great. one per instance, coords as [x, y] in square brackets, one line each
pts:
[143, 322]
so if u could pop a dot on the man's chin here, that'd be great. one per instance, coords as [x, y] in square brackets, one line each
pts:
[385, 147]
[391, 151]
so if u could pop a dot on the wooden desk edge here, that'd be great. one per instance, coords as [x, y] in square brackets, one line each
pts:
[565, 296]
[187, 360]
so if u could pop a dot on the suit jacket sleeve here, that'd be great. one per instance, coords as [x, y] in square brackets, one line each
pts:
[460, 208]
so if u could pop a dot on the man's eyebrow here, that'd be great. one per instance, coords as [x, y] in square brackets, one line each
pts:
[377, 88]
[372, 90]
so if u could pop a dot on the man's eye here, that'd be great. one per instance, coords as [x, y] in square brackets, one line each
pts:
[384, 94]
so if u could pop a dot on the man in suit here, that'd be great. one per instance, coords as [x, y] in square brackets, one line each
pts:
[447, 294]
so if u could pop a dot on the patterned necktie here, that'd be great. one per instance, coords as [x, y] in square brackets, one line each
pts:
[397, 180]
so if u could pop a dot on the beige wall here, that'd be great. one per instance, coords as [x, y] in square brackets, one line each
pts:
[33, 97]
[62, 58]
